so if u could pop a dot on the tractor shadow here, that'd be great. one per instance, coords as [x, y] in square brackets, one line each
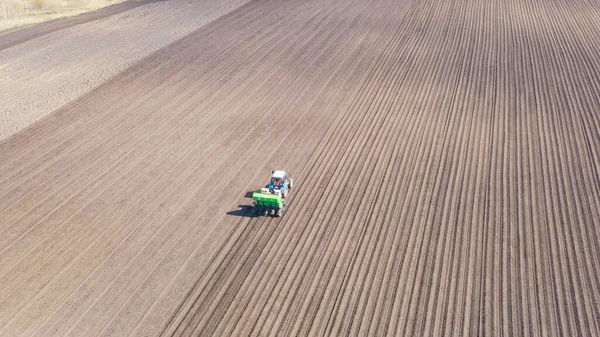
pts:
[243, 211]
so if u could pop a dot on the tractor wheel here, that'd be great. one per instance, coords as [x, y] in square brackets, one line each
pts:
[291, 184]
[284, 193]
[279, 212]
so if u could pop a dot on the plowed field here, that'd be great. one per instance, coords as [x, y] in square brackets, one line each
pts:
[446, 157]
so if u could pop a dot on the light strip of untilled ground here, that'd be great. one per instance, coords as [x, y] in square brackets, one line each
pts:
[42, 74]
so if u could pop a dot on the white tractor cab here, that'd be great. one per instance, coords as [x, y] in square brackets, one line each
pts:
[280, 183]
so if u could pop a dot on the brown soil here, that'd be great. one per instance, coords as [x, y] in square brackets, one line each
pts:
[446, 158]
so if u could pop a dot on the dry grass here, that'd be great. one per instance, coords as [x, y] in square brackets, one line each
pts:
[17, 13]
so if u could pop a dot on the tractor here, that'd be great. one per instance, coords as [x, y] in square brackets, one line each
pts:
[271, 199]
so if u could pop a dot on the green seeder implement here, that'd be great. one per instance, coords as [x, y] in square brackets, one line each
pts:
[267, 203]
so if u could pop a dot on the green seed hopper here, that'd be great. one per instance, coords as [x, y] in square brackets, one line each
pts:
[268, 203]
